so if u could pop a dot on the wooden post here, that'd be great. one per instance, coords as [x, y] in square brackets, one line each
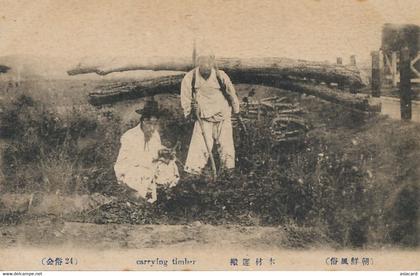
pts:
[353, 60]
[194, 55]
[259, 111]
[339, 62]
[405, 84]
[394, 68]
[376, 74]
[382, 66]
[352, 87]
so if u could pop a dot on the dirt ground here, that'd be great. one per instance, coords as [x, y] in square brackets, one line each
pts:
[54, 232]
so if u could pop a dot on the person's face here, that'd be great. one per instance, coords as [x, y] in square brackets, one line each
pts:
[149, 125]
[205, 64]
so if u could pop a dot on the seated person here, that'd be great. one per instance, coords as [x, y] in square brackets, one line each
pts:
[143, 163]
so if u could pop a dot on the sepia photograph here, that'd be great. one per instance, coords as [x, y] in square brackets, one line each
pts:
[210, 135]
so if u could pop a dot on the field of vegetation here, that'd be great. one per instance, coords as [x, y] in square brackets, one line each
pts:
[353, 181]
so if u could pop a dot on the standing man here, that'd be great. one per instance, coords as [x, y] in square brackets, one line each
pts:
[209, 92]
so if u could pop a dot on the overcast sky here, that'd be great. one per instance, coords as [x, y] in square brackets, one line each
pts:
[308, 29]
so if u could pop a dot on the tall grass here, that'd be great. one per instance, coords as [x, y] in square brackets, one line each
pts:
[50, 152]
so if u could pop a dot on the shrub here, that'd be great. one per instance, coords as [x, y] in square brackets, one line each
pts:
[402, 216]
[50, 152]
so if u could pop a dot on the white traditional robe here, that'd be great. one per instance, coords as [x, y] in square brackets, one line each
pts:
[215, 113]
[137, 164]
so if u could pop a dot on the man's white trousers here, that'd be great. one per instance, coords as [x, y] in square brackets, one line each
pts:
[216, 132]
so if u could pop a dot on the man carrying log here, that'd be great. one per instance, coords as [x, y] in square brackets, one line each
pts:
[143, 163]
[208, 97]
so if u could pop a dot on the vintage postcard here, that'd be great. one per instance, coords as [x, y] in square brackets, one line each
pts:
[210, 135]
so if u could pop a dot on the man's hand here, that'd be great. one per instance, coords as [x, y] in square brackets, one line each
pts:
[166, 155]
[194, 108]
[149, 196]
[237, 120]
[191, 117]
[236, 115]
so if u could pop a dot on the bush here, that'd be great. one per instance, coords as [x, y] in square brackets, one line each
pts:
[402, 216]
[50, 152]
[310, 183]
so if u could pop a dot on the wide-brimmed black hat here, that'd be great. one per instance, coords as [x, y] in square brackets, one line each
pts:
[150, 108]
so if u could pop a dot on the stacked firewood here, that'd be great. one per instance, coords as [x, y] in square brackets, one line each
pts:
[286, 120]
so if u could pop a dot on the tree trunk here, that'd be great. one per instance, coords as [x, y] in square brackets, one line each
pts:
[281, 67]
[121, 91]
[171, 84]
[356, 102]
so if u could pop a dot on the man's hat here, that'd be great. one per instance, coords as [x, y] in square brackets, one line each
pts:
[151, 108]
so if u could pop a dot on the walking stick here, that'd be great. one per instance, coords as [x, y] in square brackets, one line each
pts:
[200, 122]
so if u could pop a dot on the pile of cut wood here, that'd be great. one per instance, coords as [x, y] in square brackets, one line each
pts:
[286, 124]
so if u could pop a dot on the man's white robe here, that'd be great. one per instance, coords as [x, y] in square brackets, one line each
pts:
[215, 113]
[137, 164]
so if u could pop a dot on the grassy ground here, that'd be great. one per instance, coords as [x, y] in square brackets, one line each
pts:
[352, 181]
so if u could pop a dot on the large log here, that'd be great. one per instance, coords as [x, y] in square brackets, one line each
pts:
[108, 94]
[353, 101]
[320, 71]
[120, 91]
[122, 64]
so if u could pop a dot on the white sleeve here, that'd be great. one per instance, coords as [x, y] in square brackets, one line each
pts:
[186, 94]
[230, 89]
[123, 154]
